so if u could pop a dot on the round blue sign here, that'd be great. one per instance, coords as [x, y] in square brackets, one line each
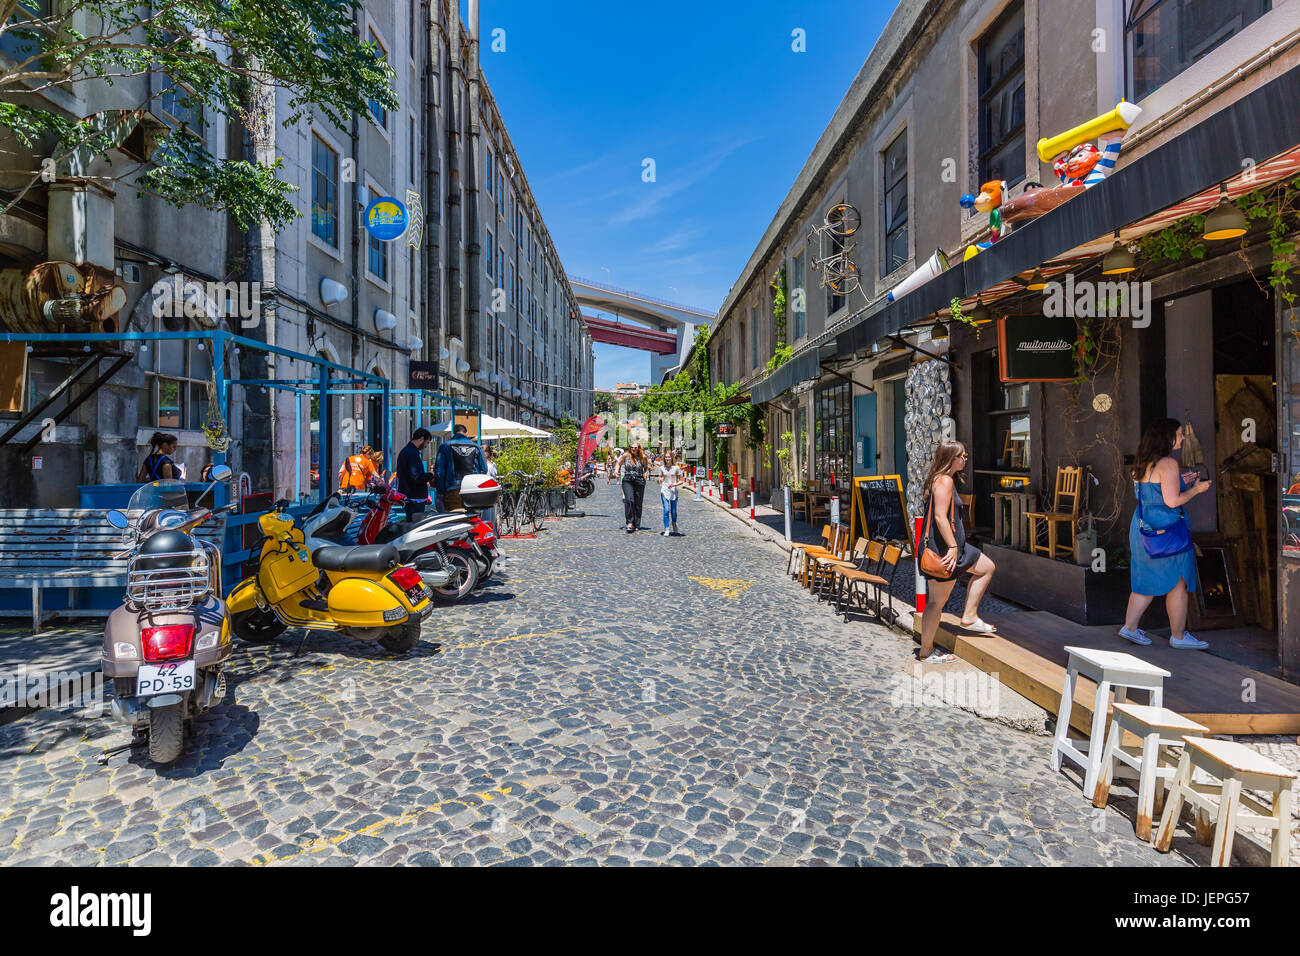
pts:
[386, 218]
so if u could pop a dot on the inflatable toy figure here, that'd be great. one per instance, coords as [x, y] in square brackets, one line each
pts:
[1078, 164]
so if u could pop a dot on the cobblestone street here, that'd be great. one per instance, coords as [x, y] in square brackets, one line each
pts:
[613, 699]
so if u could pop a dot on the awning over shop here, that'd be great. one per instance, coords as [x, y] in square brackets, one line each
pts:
[1177, 179]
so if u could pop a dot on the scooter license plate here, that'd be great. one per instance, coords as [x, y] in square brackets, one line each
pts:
[416, 595]
[164, 678]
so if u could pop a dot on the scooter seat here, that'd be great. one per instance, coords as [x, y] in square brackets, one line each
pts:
[362, 557]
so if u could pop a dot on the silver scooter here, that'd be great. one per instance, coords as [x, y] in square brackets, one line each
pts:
[165, 646]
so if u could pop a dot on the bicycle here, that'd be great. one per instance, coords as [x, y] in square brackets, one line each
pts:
[524, 506]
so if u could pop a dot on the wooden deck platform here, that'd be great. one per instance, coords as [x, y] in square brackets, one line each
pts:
[1028, 655]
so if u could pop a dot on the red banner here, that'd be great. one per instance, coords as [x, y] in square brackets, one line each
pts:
[588, 439]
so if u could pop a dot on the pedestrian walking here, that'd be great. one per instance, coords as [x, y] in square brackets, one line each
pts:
[945, 536]
[671, 476]
[633, 469]
[1162, 558]
[412, 477]
[611, 464]
[159, 464]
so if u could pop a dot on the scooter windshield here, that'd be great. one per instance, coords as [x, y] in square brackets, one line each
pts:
[169, 493]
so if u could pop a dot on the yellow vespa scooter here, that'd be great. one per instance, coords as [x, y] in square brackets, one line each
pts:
[362, 592]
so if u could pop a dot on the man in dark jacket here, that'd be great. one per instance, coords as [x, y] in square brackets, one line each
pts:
[412, 479]
[457, 458]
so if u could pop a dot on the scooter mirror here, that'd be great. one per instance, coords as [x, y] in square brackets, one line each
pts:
[118, 520]
[221, 473]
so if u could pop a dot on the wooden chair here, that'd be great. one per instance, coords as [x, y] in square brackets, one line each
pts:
[825, 568]
[816, 565]
[868, 572]
[1068, 480]
[833, 548]
[812, 505]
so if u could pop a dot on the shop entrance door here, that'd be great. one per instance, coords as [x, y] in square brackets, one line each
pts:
[900, 430]
[1245, 453]
[864, 435]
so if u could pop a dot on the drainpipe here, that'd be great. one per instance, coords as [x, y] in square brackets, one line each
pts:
[472, 335]
[432, 187]
[358, 227]
[454, 235]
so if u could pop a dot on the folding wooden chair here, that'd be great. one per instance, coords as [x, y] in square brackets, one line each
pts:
[864, 572]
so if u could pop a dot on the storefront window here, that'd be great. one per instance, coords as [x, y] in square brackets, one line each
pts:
[1289, 447]
[833, 435]
[1165, 37]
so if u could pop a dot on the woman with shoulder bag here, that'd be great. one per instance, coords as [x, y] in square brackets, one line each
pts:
[1163, 560]
[945, 555]
[633, 469]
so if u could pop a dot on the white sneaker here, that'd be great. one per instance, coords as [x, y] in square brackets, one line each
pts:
[665, 532]
[1188, 641]
[1138, 636]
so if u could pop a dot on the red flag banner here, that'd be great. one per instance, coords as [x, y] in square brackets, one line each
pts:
[588, 439]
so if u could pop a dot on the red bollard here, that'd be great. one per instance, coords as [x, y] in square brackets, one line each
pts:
[735, 491]
[920, 581]
[710, 482]
[751, 498]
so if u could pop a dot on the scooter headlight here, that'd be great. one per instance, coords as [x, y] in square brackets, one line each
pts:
[124, 650]
[207, 641]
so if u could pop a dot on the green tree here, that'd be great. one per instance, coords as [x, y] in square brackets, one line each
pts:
[222, 55]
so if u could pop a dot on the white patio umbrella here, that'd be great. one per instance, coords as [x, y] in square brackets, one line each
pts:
[491, 427]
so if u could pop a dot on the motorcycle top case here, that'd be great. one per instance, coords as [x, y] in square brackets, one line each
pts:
[480, 491]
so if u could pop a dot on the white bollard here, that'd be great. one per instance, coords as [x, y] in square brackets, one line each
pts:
[787, 514]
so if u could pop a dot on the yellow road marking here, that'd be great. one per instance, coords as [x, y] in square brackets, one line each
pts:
[729, 587]
[316, 844]
[516, 637]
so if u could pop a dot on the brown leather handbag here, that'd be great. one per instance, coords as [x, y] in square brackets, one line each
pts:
[931, 562]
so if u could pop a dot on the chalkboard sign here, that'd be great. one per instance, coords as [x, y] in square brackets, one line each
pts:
[1037, 348]
[878, 509]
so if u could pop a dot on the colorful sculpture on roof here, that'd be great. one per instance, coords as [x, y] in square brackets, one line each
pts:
[1078, 164]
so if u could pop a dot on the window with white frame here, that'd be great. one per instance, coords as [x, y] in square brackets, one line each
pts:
[376, 250]
[324, 192]
[893, 205]
[1002, 98]
[377, 109]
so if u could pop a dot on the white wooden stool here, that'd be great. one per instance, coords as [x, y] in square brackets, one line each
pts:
[1110, 669]
[1158, 727]
[1238, 767]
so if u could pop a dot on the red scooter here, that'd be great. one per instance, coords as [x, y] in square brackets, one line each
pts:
[480, 544]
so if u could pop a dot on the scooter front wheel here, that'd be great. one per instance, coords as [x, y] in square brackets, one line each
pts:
[256, 626]
[166, 733]
[464, 575]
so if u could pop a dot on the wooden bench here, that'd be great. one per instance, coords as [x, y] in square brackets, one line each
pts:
[69, 548]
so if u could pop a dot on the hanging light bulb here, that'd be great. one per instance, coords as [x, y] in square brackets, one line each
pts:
[1036, 282]
[980, 314]
[1226, 221]
[1118, 261]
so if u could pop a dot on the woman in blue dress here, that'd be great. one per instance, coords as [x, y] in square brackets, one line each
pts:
[1161, 493]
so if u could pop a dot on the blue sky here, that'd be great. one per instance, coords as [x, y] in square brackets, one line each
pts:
[711, 91]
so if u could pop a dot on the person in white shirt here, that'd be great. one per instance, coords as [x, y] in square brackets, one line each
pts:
[490, 456]
[671, 476]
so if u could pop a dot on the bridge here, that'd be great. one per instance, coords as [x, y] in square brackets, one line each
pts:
[668, 337]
